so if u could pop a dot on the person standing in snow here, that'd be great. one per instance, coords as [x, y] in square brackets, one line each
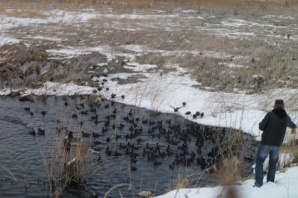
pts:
[274, 126]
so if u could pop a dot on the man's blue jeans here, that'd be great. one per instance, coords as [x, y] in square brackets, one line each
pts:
[263, 152]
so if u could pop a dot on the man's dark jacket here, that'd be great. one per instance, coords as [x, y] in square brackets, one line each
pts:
[274, 127]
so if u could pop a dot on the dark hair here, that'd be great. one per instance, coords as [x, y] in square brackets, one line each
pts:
[279, 104]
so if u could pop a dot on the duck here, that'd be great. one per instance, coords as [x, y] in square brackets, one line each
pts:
[113, 95]
[128, 151]
[99, 159]
[168, 150]
[107, 106]
[85, 134]
[144, 152]
[93, 110]
[43, 113]
[175, 108]
[202, 114]
[188, 113]
[122, 146]
[108, 151]
[95, 142]
[121, 126]
[132, 167]
[108, 139]
[82, 105]
[32, 132]
[107, 122]
[40, 131]
[117, 136]
[94, 117]
[162, 154]
[116, 153]
[74, 115]
[27, 108]
[156, 163]
[133, 159]
[84, 112]
[95, 135]
[130, 112]
[104, 129]
[139, 140]
[69, 135]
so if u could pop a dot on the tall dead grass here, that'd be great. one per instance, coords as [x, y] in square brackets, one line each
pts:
[126, 5]
[68, 163]
[291, 147]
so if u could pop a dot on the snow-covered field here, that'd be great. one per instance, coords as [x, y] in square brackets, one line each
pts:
[131, 47]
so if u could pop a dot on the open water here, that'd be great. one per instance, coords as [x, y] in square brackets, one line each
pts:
[165, 147]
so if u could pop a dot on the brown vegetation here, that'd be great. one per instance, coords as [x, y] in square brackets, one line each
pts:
[233, 5]
[261, 66]
[68, 163]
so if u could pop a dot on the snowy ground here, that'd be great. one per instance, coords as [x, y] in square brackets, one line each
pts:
[156, 89]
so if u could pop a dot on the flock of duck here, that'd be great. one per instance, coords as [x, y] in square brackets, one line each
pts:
[115, 130]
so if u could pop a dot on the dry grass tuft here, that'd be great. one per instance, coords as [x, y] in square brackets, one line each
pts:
[69, 163]
[94, 100]
[229, 171]
[292, 148]
[182, 181]
[37, 8]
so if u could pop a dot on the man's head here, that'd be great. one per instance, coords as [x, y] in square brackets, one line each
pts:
[279, 104]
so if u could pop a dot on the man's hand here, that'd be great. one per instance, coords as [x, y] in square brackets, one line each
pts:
[293, 131]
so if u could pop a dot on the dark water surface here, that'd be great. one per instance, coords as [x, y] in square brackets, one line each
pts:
[23, 169]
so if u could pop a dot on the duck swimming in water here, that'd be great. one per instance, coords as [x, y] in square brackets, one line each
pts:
[40, 131]
[32, 132]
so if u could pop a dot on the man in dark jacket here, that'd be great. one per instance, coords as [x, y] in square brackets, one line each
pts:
[274, 127]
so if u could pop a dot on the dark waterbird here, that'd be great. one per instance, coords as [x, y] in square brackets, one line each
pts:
[27, 108]
[107, 106]
[99, 159]
[156, 163]
[85, 134]
[43, 113]
[188, 113]
[113, 95]
[176, 108]
[84, 112]
[74, 115]
[40, 131]
[202, 114]
[32, 132]
[95, 142]
[95, 135]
